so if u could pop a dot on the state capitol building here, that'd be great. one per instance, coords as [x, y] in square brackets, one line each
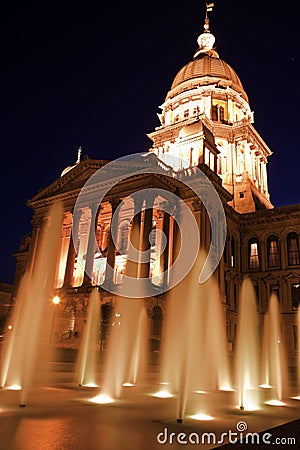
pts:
[205, 121]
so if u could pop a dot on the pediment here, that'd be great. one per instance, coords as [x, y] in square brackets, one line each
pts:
[147, 170]
[71, 182]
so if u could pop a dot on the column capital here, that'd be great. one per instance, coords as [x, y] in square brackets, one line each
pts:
[36, 222]
[114, 203]
[198, 206]
[149, 200]
[138, 200]
[77, 214]
[95, 208]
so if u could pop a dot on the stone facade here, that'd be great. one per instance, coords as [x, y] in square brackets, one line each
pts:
[205, 122]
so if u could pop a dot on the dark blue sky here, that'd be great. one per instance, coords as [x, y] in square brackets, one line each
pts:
[84, 73]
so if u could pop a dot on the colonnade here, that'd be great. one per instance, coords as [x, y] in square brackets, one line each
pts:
[147, 215]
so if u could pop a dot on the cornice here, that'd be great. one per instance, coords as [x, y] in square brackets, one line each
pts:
[280, 214]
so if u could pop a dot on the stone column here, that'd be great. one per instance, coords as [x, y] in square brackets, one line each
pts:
[69, 273]
[36, 230]
[90, 254]
[133, 266]
[111, 248]
[176, 233]
[147, 228]
[164, 257]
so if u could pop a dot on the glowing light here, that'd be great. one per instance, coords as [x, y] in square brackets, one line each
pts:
[202, 416]
[14, 387]
[163, 394]
[9, 327]
[56, 300]
[127, 384]
[265, 386]
[296, 398]
[248, 400]
[90, 385]
[226, 388]
[101, 399]
[165, 383]
[201, 392]
[275, 402]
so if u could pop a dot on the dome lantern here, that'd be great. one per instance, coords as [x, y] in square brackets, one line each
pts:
[206, 40]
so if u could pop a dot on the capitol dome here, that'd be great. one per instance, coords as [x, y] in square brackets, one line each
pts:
[206, 69]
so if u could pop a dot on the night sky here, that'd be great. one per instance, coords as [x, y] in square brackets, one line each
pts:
[93, 74]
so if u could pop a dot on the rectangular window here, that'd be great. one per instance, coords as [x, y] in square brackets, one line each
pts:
[295, 295]
[274, 289]
[206, 156]
[224, 164]
[211, 161]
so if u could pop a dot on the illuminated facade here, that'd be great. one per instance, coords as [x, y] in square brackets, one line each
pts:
[205, 121]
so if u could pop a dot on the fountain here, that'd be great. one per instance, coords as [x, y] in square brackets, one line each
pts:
[194, 355]
[126, 351]
[28, 347]
[194, 364]
[273, 356]
[89, 350]
[247, 352]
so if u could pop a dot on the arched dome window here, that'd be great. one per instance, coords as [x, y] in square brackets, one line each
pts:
[218, 113]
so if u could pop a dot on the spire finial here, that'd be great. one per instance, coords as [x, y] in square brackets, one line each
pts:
[206, 40]
[209, 7]
[79, 155]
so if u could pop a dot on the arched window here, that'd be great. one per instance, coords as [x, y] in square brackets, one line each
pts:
[186, 113]
[214, 112]
[123, 236]
[196, 111]
[221, 113]
[218, 113]
[272, 251]
[253, 254]
[292, 241]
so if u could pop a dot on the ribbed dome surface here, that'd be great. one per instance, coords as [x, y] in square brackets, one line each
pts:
[212, 69]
